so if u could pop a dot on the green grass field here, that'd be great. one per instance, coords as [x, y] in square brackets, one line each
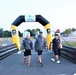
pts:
[10, 38]
[72, 44]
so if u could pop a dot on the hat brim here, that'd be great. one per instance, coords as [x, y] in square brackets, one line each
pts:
[56, 35]
[40, 32]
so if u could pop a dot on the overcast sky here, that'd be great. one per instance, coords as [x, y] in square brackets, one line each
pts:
[60, 13]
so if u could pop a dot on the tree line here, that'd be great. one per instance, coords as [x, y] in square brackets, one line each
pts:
[33, 31]
[6, 33]
[69, 30]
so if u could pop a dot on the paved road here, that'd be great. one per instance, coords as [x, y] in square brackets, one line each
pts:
[13, 65]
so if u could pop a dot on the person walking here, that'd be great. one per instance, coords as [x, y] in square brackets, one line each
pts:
[55, 46]
[40, 44]
[28, 46]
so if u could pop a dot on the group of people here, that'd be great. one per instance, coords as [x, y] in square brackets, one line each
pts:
[39, 46]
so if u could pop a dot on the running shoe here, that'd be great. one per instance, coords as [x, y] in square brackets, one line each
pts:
[58, 61]
[41, 64]
[52, 59]
[29, 64]
[24, 61]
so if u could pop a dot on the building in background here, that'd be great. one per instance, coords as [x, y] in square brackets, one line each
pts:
[73, 33]
[25, 33]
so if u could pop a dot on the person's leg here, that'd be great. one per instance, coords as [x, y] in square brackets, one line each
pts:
[56, 54]
[25, 57]
[59, 53]
[53, 56]
[39, 57]
[40, 60]
[57, 57]
[29, 60]
[29, 57]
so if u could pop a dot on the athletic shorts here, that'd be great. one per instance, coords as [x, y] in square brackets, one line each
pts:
[27, 52]
[56, 51]
[39, 52]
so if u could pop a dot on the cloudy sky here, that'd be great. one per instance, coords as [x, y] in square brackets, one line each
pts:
[60, 13]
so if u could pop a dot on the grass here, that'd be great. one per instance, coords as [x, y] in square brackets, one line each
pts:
[8, 39]
[71, 44]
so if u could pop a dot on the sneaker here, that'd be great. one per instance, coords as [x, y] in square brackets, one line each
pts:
[29, 64]
[24, 61]
[41, 64]
[52, 59]
[58, 61]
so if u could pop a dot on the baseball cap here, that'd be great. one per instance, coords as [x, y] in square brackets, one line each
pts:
[56, 35]
[40, 32]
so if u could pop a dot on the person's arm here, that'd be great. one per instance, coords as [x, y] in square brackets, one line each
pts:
[35, 45]
[31, 45]
[24, 45]
[51, 46]
[45, 43]
[60, 45]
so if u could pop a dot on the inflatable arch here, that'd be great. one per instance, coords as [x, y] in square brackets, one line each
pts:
[30, 18]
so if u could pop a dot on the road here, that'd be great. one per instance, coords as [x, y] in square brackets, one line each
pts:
[13, 65]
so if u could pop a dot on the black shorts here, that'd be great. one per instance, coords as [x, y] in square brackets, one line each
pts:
[56, 51]
[27, 52]
[39, 52]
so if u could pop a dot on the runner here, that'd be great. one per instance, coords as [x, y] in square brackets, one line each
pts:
[55, 46]
[40, 43]
[28, 46]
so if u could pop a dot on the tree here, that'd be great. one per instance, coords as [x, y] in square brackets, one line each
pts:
[1, 30]
[34, 32]
[9, 34]
[68, 31]
[29, 31]
[6, 33]
[20, 34]
[38, 29]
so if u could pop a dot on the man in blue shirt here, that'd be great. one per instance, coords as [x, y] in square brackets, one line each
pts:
[28, 46]
[40, 44]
